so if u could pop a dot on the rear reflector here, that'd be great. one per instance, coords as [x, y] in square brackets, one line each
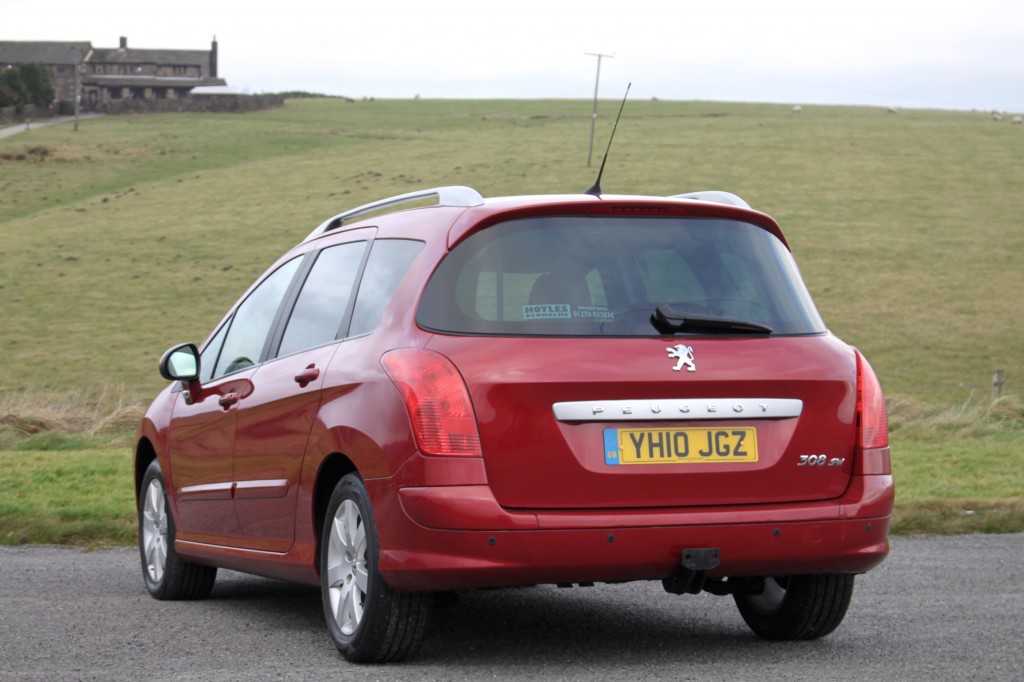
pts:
[438, 402]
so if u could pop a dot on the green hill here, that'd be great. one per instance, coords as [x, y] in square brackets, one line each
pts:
[138, 232]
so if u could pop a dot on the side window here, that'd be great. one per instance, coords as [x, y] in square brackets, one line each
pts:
[389, 260]
[323, 301]
[208, 358]
[252, 321]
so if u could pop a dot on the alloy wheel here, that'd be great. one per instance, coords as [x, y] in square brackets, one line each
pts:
[347, 576]
[154, 531]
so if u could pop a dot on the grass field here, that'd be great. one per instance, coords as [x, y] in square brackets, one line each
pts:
[137, 232]
[957, 471]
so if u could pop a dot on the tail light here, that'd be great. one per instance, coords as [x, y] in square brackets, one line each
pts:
[872, 422]
[438, 401]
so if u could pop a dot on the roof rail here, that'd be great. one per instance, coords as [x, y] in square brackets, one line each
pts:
[446, 196]
[715, 196]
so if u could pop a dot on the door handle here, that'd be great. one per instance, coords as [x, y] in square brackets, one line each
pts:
[227, 400]
[307, 375]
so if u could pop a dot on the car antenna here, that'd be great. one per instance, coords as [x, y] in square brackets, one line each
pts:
[595, 190]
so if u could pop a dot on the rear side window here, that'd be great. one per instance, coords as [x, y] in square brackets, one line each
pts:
[594, 276]
[323, 302]
[388, 261]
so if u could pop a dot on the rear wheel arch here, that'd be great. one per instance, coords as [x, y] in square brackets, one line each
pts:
[366, 619]
[334, 467]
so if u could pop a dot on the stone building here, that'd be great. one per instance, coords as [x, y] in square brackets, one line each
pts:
[111, 74]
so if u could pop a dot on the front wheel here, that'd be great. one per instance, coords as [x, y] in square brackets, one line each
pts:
[367, 621]
[797, 606]
[167, 575]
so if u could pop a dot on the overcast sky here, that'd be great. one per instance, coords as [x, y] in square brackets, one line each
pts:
[946, 54]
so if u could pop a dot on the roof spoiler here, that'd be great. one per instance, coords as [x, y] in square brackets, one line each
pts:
[715, 196]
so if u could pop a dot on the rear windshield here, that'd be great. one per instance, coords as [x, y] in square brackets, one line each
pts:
[598, 276]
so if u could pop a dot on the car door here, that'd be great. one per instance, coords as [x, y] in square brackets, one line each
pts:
[275, 420]
[203, 427]
[200, 443]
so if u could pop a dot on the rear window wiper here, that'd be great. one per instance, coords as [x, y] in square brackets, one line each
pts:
[667, 320]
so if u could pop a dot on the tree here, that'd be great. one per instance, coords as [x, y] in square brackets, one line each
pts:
[37, 84]
[12, 90]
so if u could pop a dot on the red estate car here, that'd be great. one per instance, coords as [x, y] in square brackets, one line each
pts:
[514, 391]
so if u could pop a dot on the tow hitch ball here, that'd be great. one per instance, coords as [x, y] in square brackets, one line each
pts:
[692, 576]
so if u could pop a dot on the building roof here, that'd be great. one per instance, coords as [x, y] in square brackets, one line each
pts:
[17, 52]
[105, 55]
[12, 52]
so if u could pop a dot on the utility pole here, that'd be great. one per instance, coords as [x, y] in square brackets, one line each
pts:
[78, 87]
[79, 72]
[593, 115]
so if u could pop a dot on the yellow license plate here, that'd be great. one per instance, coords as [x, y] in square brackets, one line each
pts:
[724, 445]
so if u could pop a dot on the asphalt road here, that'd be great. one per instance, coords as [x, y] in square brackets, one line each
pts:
[949, 608]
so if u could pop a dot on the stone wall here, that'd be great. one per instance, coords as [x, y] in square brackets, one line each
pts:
[195, 103]
[10, 116]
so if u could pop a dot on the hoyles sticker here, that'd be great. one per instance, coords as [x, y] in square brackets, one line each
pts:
[547, 311]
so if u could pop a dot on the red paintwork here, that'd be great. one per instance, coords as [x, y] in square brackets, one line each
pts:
[539, 505]
[530, 456]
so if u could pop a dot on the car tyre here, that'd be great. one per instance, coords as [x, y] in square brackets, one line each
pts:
[797, 607]
[168, 576]
[367, 620]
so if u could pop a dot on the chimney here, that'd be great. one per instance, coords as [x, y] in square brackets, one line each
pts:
[124, 44]
[213, 58]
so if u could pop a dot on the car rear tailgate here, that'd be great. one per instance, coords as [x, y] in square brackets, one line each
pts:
[759, 421]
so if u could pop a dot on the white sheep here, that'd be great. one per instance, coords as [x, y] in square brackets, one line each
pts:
[797, 109]
[1017, 120]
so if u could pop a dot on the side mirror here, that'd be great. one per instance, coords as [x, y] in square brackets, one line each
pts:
[180, 363]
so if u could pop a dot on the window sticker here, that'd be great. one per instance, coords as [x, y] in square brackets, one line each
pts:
[547, 311]
[565, 311]
[594, 312]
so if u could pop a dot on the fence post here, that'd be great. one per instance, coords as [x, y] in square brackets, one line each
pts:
[997, 385]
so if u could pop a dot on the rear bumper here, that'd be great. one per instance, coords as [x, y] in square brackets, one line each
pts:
[452, 537]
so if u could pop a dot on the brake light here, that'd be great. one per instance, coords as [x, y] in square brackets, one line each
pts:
[438, 401]
[872, 422]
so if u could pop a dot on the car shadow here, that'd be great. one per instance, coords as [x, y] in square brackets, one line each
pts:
[567, 625]
[604, 624]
